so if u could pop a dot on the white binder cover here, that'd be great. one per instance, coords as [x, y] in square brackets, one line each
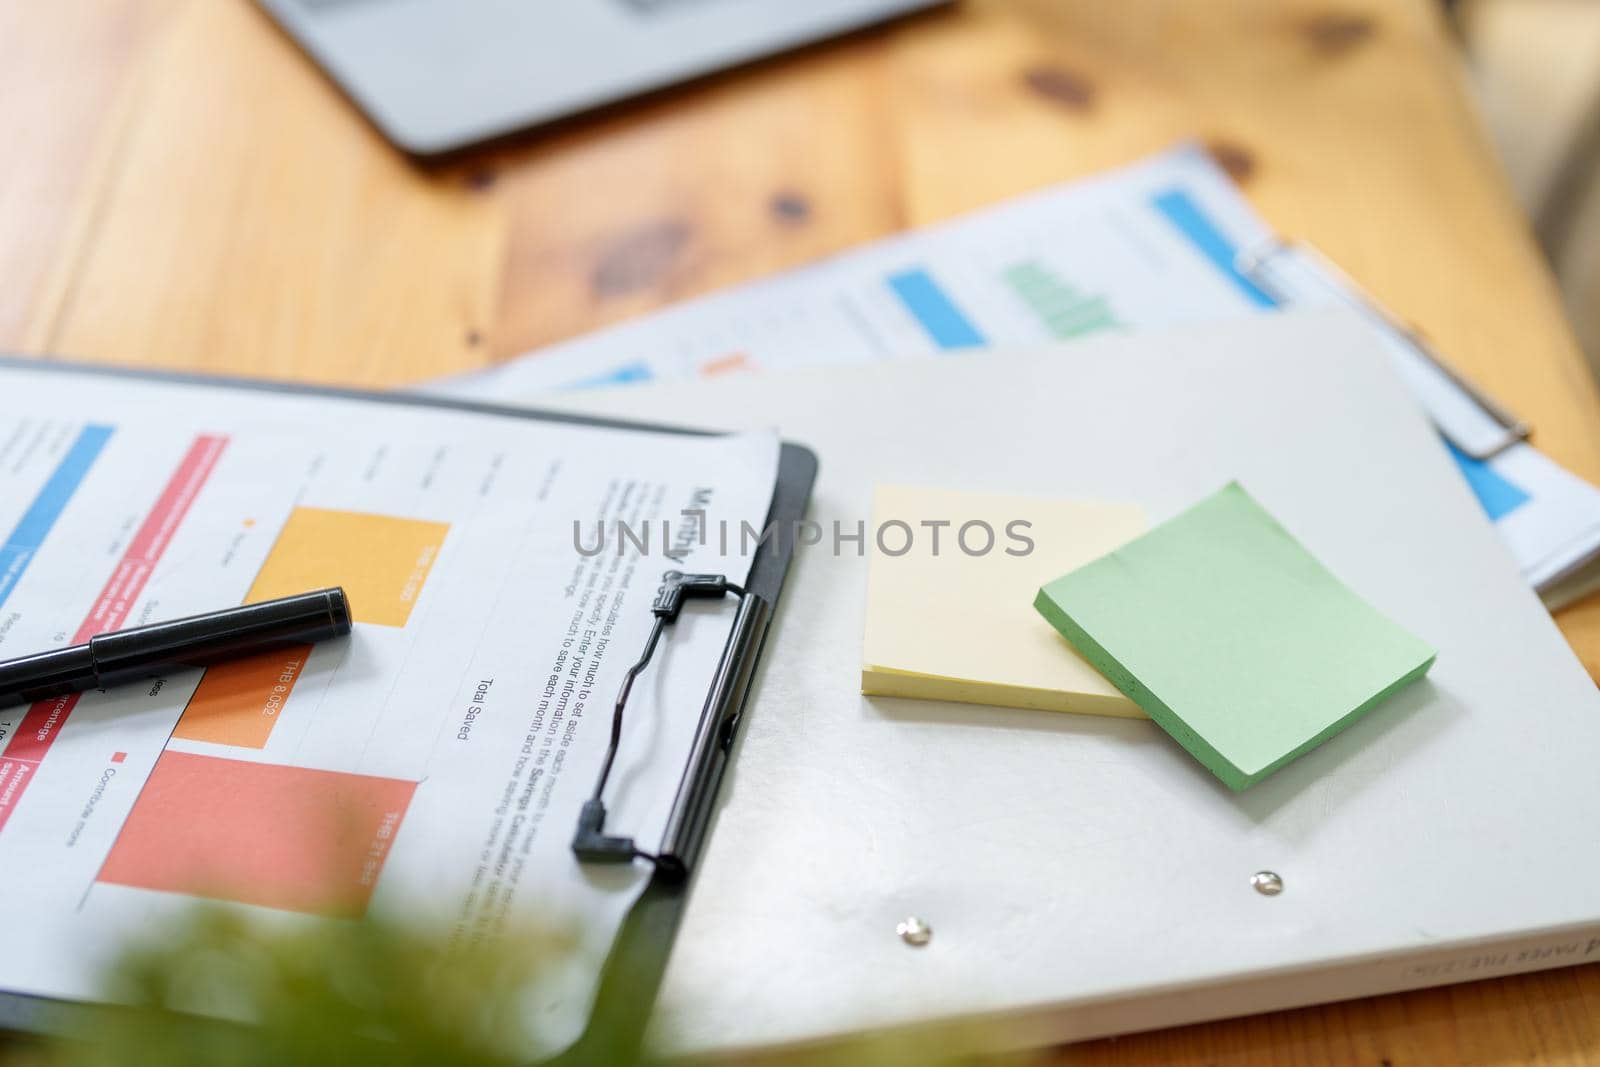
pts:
[1082, 875]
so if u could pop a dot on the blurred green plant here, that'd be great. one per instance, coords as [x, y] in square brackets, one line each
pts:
[376, 992]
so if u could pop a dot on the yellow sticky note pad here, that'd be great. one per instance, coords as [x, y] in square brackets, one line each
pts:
[949, 611]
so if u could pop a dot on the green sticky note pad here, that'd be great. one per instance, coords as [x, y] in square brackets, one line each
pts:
[1232, 637]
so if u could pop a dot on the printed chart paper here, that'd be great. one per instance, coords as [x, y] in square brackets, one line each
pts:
[433, 764]
[1167, 241]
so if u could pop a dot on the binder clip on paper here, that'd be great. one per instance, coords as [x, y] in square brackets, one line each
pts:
[1296, 273]
[691, 806]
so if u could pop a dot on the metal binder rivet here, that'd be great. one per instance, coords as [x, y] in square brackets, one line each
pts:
[914, 931]
[1267, 883]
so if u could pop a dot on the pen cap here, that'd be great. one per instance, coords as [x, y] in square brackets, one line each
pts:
[202, 640]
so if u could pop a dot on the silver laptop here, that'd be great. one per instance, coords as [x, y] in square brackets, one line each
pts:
[439, 75]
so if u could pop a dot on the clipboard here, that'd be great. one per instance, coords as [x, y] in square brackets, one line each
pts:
[1475, 422]
[635, 966]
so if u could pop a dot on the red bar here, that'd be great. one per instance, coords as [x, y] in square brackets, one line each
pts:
[128, 580]
[38, 730]
[42, 724]
[14, 775]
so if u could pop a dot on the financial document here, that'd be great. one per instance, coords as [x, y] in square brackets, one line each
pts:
[1164, 242]
[434, 763]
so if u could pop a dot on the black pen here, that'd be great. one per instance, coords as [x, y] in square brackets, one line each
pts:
[164, 647]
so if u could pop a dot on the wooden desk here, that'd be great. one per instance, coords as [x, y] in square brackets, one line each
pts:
[181, 188]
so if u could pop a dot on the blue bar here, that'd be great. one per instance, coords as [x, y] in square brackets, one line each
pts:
[1497, 495]
[937, 313]
[1181, 210]
[624, 375]
[19, 549]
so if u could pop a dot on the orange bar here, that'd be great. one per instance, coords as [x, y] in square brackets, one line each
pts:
[723, 364]
[238, 703]
[382, 561]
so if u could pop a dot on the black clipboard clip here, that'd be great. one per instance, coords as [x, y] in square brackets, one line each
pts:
[1257, 263]
[719, 718]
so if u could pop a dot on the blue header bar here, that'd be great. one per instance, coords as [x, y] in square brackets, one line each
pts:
[25, 541]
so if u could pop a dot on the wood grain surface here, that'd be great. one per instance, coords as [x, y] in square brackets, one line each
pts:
[183, 189]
